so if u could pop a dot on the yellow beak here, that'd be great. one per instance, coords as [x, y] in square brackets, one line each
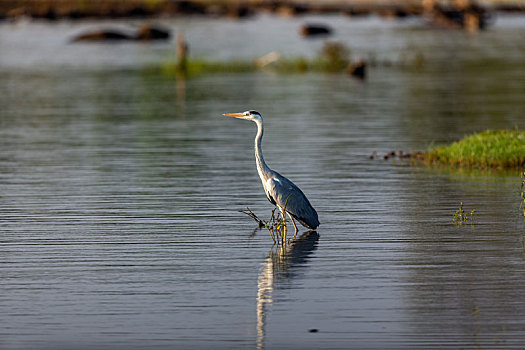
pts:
[234, 115]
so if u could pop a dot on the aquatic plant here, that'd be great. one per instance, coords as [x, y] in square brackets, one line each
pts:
[275, 224]
[460, 217]
[488, 149]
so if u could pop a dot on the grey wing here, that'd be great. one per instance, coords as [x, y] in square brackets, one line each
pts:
[285, 194]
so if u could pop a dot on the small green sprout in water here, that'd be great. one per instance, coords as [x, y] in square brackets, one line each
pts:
[461, 217]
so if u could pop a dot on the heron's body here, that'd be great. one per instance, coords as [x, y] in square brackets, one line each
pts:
[280, 191]
[286, 195]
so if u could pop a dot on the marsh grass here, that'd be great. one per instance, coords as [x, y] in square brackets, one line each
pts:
[334, 57]
[489, 149]
[194, 67]
[283, 66]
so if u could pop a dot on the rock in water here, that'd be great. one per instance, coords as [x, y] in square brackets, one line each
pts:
[103, 35]
[149, 32]
[315, 29]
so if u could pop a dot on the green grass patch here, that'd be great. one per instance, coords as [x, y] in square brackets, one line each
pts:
[333, 58]
[489, 149]
[196, 66]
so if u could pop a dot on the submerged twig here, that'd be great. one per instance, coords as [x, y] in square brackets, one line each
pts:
[275, 225]
[253, 216]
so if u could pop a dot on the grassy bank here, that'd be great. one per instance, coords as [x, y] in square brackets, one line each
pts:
[288, 66]
[488, 149]
[334, 57]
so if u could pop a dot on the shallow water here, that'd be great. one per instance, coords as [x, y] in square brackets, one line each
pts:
[119, 191]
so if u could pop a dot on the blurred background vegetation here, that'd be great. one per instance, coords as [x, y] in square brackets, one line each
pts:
[54, 9]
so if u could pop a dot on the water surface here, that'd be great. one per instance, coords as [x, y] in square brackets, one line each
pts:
[119, 191]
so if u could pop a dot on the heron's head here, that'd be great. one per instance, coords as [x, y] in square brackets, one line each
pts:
[248, 115]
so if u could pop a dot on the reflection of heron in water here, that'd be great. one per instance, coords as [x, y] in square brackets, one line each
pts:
[280, 191]
[279, 266]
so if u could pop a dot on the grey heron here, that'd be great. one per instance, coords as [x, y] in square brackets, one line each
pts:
[280, 191]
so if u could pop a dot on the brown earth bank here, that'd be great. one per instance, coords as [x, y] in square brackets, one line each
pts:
[76, 9]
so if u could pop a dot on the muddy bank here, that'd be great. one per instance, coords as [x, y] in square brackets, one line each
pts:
[73, 9]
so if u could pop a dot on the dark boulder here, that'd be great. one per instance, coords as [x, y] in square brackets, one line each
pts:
[357, 69]
[145, 32]
[315, 30]
[103, 35]
[149, 32]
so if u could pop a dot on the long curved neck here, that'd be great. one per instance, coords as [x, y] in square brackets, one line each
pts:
[262, 168]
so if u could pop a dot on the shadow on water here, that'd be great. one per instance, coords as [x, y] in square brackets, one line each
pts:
[280, 266]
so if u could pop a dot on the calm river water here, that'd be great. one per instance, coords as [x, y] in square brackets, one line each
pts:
[120, 189]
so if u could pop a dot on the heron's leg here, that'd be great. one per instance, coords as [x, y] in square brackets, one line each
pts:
[294, 226]
[283, 214]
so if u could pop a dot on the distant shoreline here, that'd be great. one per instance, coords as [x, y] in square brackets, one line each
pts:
[77, 9]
